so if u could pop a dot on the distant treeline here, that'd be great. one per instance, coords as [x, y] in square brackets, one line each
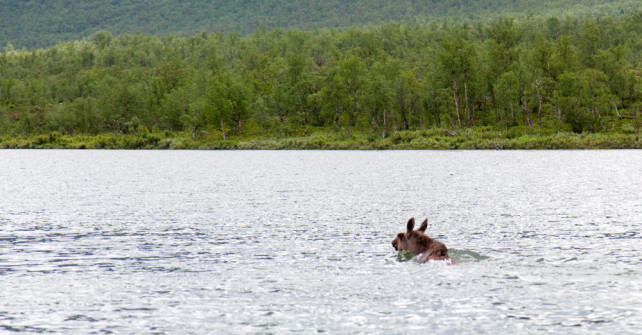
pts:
[37, 23]
[527, 75]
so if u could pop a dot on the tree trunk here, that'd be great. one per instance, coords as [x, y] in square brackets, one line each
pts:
[307, 127]
[500, 116]
[223, 129]
[528, 113]
[599, 116]
[451, 133]
[412, 105]
[194, 128]
[404, 119]
[383, 134]
[538, 82]
[352, 116]
[616, 112]
[456, 102]
[468, 114]
[235, 121]
[512, 112]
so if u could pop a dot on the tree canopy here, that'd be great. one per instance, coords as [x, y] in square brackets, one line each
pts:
[37, 24]
[510, 75]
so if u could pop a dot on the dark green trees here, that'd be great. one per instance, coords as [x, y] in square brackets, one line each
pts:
[509, 75]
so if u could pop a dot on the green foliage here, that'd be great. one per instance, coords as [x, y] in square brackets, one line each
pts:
[404, 256]
[389, 86]
[37, 24]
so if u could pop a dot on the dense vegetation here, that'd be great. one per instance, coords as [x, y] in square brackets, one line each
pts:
[505, 83]
[37, 23]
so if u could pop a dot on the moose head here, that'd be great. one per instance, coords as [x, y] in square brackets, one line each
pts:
[417, 242]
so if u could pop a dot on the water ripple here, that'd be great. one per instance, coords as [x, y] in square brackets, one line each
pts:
[299, 242]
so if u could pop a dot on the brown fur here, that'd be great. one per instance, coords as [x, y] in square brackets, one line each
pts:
[417, 242]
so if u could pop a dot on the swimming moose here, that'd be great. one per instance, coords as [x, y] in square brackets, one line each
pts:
[417, 242]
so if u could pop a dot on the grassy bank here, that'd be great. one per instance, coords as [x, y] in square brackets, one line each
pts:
[434, 139]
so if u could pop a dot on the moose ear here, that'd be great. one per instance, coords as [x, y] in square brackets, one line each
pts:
[411, 225]
[423, 226]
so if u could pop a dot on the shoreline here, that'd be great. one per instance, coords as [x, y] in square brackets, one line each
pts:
[401, 140]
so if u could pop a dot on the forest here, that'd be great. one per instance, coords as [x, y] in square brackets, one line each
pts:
[38, 24]
[504, 83]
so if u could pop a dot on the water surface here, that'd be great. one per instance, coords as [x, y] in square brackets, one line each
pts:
[299, 241]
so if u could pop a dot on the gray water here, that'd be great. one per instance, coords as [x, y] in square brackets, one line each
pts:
[299, 242]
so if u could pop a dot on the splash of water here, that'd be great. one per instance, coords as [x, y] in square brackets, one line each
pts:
[460, 256]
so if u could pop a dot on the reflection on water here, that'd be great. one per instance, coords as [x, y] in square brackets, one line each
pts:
[299, 242]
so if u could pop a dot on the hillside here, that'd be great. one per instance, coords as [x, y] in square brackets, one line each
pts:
[38, 24]
[393, 85]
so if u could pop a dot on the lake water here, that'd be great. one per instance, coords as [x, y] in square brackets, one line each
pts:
[243, 242]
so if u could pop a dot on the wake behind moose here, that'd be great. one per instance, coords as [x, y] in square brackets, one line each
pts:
[418, 243]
